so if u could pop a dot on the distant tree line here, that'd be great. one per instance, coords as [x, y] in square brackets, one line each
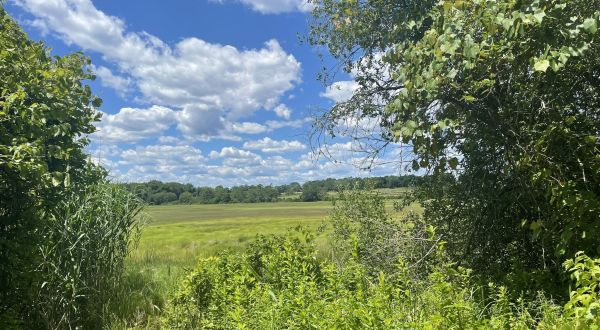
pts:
[157, 192]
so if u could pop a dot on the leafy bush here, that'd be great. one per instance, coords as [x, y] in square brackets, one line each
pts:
[88, 238]
[383, 274]
[584, 302]
[365, 231]
[279, 284]
[45, 109]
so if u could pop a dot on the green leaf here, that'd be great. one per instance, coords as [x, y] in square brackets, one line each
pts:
[471, 49]
[453, 162]
[535, 225]
[541, 65]
[539, 16]
[57, 179]
[411, 124]
[67, 179]
[590, 25]
[469, 98]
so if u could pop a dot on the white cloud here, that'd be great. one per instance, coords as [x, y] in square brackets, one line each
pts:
[231, 166]
[267, 145]
[274, 6]
[232, 152]
[283, 111]
[120, 84]
[233, 157]
[196, 123]
[200, 122]
[209, 81]
[248, 128]
[171, 140]
[162, 161]
[340, 91]
[277, 124]
[132, 124]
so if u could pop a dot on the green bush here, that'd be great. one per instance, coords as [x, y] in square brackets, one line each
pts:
[365, 231]
[383, 274]
[46, 109]
[279, 284]
[88, 238]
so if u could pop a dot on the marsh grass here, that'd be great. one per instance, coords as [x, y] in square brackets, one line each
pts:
[87, 240]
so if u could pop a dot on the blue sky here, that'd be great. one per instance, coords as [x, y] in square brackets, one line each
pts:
[210, 92]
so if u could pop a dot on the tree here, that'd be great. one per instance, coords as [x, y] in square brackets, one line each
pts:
[45, 112]
[162, 197]
[311, 192]
[186, 197]
[504, 95]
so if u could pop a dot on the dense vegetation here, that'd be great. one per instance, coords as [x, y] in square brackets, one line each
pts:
[498, 101]
[157, 192]
[502, 95]
[403, 281]
[64, 230]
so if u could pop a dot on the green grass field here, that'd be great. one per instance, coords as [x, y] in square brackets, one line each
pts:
[189, 231]
[177, 235]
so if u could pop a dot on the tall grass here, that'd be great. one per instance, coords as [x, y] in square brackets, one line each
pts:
[88, 238]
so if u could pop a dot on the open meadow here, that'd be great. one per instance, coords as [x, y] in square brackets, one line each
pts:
[175, 236]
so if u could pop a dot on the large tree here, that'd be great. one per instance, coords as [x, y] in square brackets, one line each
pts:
[504, 95]
[45, 112]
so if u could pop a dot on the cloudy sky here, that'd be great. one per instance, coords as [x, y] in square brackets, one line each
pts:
[211, 92]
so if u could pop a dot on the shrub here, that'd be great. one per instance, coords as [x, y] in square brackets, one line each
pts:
[584, 302]
[280, 284]
[453, 85]
[384, 274]
[45, 109]
[364, 230]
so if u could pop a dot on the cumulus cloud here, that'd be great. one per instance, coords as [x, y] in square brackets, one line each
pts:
[200, 122]
[133, 124]
[122, 85]
[283, 111]
[232, 152]
[274, 6]
[230, 165]
[196, 123]
[340, 91]
[234, 157]
[248, 128]
[277, 124]
[162, 161]
[202, 78]
[268, 145]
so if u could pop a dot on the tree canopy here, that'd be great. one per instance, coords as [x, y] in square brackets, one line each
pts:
[504, 95]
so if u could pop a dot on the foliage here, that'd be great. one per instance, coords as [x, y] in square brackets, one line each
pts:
[88, 238]
[503, 95]
[280, 284]
[45, 111]
[312, 193]
[584, 303]
[186, 197]
[364, 230]
[162, 197]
